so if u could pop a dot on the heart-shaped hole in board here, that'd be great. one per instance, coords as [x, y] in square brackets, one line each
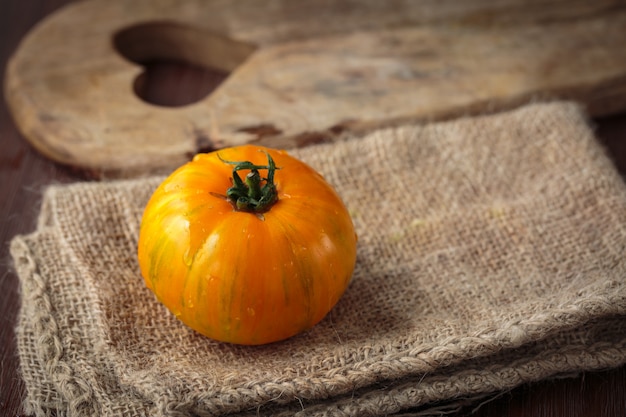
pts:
[182, 65]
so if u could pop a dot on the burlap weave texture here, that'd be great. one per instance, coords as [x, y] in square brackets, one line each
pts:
[490, 254]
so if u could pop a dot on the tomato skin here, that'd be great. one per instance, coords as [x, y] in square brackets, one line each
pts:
[236, 276]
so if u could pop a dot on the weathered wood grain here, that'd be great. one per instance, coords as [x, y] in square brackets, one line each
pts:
[299, 72]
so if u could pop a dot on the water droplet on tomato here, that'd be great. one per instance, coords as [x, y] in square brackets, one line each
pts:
[188, 257]
[170, 187]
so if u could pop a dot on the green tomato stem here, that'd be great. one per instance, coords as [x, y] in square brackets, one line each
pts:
[254, 194]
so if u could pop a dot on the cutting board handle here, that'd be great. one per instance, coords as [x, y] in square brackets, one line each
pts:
[296, 73]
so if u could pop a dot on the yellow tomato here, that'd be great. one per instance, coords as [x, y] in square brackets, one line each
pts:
[247, 245]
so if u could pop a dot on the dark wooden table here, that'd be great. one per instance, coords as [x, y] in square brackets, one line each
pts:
[24, 174]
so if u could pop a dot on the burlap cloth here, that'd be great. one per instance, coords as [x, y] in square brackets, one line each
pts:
[491, 253]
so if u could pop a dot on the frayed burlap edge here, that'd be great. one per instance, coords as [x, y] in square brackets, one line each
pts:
[594, 346]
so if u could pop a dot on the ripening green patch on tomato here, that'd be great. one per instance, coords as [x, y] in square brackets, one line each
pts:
[247, 245]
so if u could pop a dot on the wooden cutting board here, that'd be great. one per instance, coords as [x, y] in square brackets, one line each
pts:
[300, 71]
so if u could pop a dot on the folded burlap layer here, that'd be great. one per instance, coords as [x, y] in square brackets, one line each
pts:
[490, 254]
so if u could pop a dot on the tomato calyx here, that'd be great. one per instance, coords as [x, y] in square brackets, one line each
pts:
[253, 194]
